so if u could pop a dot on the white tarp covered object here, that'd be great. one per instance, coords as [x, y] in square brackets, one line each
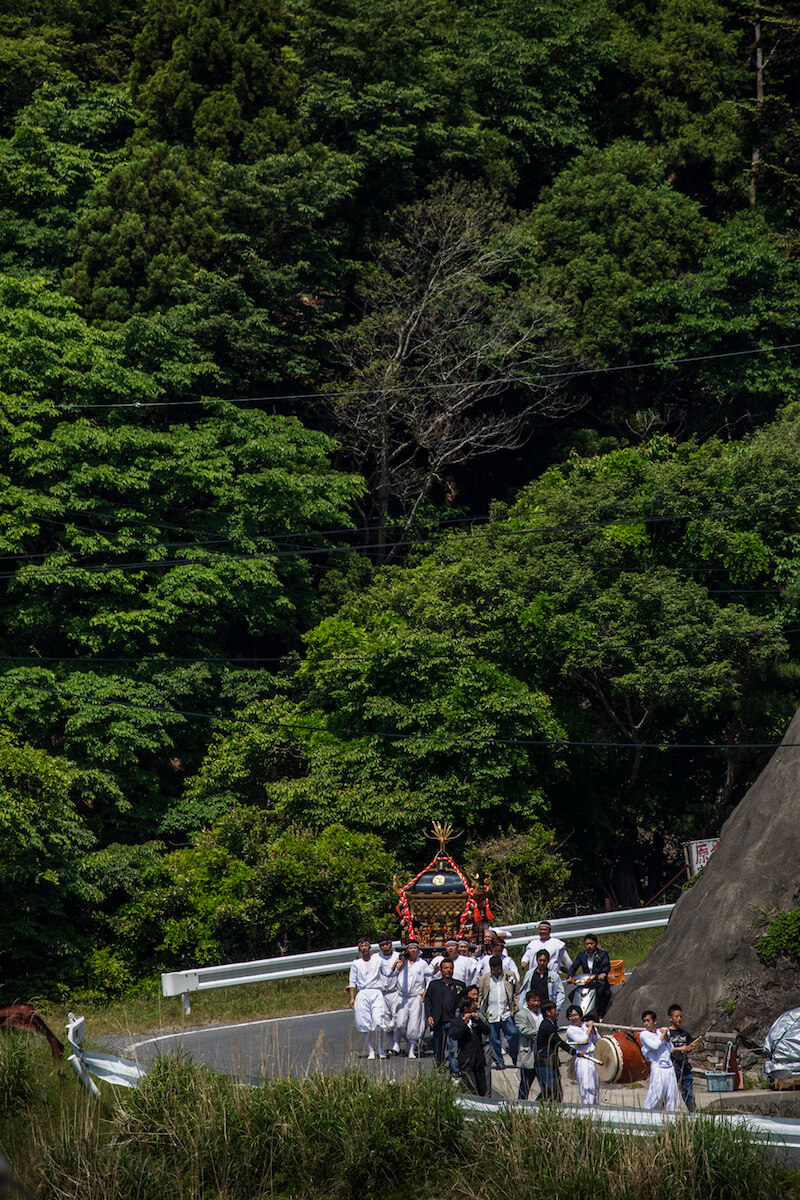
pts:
[782, 1045]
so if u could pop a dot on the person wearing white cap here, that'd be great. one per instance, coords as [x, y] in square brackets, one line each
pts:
[465, 968]
[560, 961]
[413, 974]
[365, 985]
[497, 947]
[450, 951]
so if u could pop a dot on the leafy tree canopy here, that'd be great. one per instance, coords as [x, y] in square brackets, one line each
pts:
[611, 226]
[248, 888]
[63, 143]
[216, 75]
[42, 844]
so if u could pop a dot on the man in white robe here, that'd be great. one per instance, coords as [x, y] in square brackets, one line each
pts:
[465, 968]
[663, 1091]
[388, 956]
[560, 961]
[413, 974]
[365, 985]
[496, 948]
[450, 951]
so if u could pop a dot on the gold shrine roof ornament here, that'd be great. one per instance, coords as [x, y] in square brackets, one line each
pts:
[442, 833]
[441, 902]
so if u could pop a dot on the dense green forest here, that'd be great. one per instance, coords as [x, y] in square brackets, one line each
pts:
[399, 421]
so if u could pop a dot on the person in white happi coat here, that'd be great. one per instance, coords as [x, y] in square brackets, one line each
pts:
[450, 951]
[583, 1035]
[365, 986]
[413, 974]
[560, 961]
[496, 948]
[656, 1047]
[465, 968]
[388, 956]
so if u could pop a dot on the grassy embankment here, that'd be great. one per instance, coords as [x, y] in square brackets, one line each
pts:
[318, 993]
[191, 1135]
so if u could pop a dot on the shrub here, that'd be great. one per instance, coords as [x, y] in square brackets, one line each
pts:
[529, 875]
[248, 888]
[782, 939]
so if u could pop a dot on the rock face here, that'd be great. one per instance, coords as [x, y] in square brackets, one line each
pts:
[704, 961]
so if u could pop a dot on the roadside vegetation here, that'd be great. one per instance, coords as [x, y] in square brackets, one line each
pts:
[189, 1134]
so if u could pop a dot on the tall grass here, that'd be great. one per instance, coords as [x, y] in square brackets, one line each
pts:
[556, 1156]
[20, 1081]
[191, 1135]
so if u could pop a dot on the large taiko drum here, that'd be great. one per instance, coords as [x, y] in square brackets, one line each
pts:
[620, 1059]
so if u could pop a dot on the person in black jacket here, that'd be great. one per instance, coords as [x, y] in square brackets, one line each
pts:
[548, 1044]
[468, 1029]
[441, 1001]
[595, 962]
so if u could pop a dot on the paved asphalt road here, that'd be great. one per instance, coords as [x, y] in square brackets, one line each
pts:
[291, 1045]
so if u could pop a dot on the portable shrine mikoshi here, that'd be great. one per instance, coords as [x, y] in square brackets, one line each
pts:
[441, 902]
[619, 1058]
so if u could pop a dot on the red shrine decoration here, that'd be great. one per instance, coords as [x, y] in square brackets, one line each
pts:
[440, 902]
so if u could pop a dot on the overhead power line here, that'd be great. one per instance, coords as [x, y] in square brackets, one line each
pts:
[467, 655]
[449, 740]
[512, 380]
[633, 517]
[497, 531]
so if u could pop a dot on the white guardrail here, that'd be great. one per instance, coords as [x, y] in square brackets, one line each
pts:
[782, 1135]
[121, 1072]
[292, 966]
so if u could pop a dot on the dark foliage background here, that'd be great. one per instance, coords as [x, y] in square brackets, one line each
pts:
[397, 421]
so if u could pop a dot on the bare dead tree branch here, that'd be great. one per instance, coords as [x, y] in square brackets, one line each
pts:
[445, 326]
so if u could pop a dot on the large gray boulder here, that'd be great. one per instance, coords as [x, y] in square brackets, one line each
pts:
[705, 960]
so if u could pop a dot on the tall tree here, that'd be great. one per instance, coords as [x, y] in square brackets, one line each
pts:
[215, 75]
[446, 332]
[682, 90]
[63, 144]
[42, 847]
[609, 227]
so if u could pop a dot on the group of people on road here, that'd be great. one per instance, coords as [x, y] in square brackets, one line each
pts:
[478, 1007]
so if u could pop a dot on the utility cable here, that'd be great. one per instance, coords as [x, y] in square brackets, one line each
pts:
[349, 393]
[459, 652]
[499, 531]
[550, 743]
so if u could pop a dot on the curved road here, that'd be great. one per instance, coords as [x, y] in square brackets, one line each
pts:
[286, 1045]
